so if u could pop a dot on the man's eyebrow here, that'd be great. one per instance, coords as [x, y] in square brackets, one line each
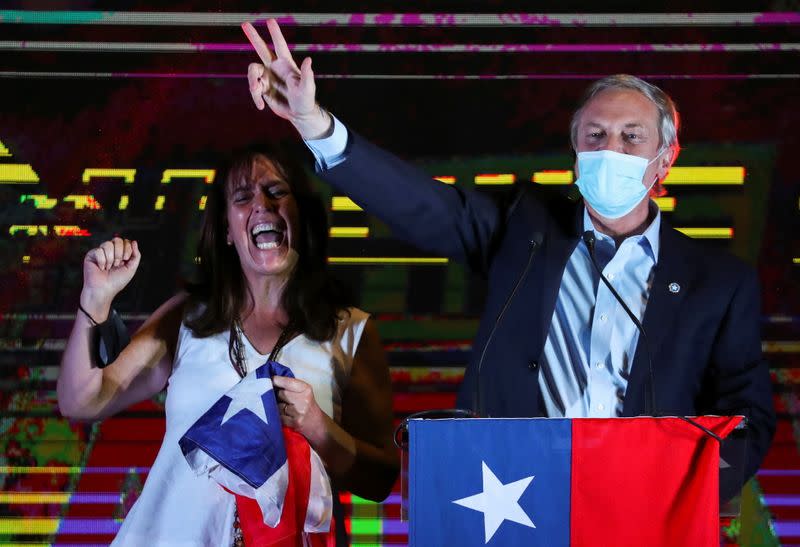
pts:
[627, 125]
[634, 124]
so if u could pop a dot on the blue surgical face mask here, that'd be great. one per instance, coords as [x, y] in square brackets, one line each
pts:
[612, 182]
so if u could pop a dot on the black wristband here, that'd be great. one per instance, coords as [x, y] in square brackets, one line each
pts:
[109, 339]
[86, 313]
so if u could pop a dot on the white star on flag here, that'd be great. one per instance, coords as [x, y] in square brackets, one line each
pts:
[498, 502]
[247, 395]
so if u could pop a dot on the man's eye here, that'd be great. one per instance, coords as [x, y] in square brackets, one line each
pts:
[278, 192]
[240, 197]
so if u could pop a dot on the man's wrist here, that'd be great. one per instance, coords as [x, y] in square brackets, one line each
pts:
[317, 125]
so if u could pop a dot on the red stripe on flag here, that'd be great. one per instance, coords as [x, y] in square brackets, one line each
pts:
[645, 481]
[289, 531]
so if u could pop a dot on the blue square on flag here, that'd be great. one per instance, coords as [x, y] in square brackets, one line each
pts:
[467, 488]
[242, 430]
[241, 444]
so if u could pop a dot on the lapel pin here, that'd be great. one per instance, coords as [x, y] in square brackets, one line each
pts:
[674, 288]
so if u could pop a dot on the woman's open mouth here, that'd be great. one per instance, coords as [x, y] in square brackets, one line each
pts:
[267, 235]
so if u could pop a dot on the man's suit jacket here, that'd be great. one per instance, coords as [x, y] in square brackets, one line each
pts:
[704, 338]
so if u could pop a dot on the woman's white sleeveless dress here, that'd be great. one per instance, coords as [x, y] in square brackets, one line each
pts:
[176, 507]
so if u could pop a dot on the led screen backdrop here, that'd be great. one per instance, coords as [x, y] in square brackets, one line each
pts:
[113, 119]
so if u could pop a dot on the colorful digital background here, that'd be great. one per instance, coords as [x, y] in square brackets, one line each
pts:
[113, 116]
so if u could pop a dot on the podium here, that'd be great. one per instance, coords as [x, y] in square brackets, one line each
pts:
[570, 482]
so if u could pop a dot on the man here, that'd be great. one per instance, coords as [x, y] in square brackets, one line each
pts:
[553, 340]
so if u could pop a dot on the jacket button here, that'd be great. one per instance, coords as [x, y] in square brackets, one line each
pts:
[533, 365]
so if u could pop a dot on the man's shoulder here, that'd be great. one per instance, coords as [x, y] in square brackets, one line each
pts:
[555, 200]
[706, 256]
[546, 194]
[549, 206]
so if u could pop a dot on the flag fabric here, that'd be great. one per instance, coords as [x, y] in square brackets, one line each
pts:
[240, 443]
[289, 532]
[565, 482]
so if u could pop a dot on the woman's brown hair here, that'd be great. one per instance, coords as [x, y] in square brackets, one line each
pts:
[313, 299]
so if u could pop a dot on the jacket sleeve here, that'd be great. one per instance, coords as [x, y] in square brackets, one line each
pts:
[738, 380]
[435, 217]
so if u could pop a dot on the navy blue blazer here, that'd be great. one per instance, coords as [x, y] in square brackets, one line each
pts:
[704, 340]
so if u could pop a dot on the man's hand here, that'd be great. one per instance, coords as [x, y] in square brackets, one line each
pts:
[289, 91]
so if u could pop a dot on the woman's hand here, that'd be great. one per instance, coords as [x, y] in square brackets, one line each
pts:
[288, 90]
[299, 409]
[359, 454]
[107, 270]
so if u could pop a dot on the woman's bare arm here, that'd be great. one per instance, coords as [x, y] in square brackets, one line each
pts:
[359, 454]
[142, 368]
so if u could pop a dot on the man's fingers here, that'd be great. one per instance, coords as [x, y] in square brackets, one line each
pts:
[261, 47]
[257, 77]
[258, 83]
[267, 86]
[277, 82]
[277, 102]
[279, 42]
[307, 77]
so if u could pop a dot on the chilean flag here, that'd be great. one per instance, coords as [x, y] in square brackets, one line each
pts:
[627, 482]
[277, 478]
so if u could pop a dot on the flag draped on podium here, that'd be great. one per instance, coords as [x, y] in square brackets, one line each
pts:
[561, 482]
[276, 476]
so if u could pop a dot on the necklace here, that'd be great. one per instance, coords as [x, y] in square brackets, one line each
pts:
[236, 349]
[239, 361]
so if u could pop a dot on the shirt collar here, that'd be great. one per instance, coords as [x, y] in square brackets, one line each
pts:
[650, 237]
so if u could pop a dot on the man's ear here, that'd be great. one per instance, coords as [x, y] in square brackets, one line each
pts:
[658, 190]
[666, 160]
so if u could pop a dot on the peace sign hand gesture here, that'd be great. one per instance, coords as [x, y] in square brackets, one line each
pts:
[289, 91]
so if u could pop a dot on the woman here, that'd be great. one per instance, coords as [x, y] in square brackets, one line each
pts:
[263, 287]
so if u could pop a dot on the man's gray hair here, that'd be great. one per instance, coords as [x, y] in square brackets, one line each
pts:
[668, 119]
